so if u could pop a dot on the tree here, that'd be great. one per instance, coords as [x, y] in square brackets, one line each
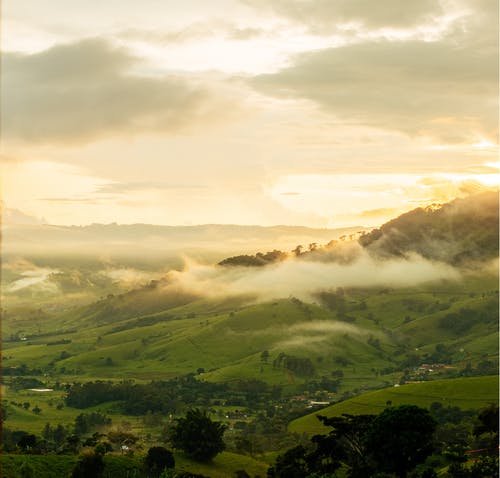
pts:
[400, 438]
[90, 465]
[27, 442]
[346, 443]
[488, 421]
[486, 431]
[157, 460]
[342, 446]
[293, 464]
[198, 435]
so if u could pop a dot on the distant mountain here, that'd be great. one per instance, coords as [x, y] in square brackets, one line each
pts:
[458, 232]
[150, 244]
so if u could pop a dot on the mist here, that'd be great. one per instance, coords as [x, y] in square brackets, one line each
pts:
[302, 278]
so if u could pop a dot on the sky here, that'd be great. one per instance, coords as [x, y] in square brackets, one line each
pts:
[323, 113]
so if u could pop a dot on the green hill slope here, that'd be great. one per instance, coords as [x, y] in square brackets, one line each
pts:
[465, 393]
[458, 232]
[377, 334]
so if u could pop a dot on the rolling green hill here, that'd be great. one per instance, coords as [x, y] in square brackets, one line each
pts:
[465, 393]
[377, 334]
[329, 343]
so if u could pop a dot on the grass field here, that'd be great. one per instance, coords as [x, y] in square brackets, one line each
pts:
[141, 336]
[224, 465]
[466, 393]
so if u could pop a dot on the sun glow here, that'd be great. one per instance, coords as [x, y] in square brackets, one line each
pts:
[350, 198]
[485, 144]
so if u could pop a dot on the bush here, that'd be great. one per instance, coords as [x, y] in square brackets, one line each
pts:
[90, 465]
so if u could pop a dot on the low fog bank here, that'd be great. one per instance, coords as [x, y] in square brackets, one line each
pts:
[296, 276]
[23, 279]
[303, 278]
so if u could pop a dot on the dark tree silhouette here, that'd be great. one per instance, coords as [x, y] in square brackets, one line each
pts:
[90, 465]
[198, 435]
[400, 438]
[293, 464]
[27, 442]
[487, 428]
[346, 443]
[157, 459]
[488, 421]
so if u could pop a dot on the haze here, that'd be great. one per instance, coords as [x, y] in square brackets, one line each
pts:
[246, 111]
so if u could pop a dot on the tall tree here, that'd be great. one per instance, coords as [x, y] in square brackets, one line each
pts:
[198, 435]
[400, 438]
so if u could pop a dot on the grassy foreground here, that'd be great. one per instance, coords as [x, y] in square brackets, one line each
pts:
[59, 466]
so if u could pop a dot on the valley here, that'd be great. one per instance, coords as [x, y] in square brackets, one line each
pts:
[263, 348]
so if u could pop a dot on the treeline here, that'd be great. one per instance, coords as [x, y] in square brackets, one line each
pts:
[56, 438]
[463, 320]
[137, 399]
[461, 231]
[258, 260]
[170, 396]
[333, 251]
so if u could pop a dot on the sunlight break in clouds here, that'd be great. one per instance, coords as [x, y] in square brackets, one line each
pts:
[388, 194]
[259, 104]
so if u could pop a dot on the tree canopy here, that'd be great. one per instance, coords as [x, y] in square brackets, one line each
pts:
[158, 459]
[393, 442]
[198, 435]
[400, 438]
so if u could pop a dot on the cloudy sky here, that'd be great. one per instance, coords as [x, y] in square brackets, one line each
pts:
[314, 112]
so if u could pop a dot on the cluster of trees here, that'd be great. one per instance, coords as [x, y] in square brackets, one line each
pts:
[393, 442]
[251, 393]
[463, 320]
[300, 365]
[138, 399]
[470, 225]
[334, 301]
[91, 463]
[170, 396]
[258, 260]
[58, 438]
[323, 383]
[89, 421]
[400, 441]
[196, 434]
[21, 370]
[55, 436]
[330, 252]
[20, 383]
